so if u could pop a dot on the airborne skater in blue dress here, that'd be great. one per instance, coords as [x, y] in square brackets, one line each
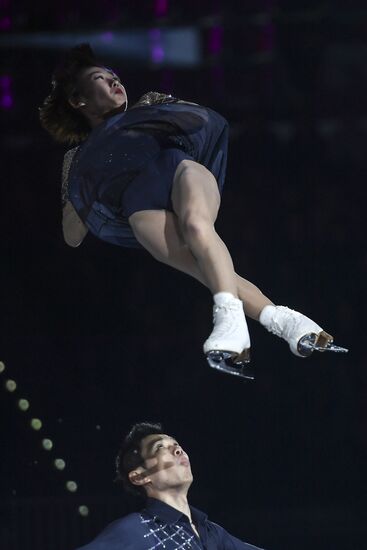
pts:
[151, 176]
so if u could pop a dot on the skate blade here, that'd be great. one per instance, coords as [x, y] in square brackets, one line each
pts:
[231, 363]
[318, 342]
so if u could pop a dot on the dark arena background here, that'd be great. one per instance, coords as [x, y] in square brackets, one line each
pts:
[96, 338]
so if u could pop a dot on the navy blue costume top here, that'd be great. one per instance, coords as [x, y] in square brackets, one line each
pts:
[159, 526]
[127, 164]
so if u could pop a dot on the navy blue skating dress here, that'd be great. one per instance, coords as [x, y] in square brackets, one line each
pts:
[128, 163]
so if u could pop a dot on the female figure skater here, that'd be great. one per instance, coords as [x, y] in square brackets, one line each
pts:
[152, 176]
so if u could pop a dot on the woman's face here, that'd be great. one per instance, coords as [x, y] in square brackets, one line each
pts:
[100, 92]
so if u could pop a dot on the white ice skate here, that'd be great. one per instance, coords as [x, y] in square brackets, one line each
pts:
[228, 347]
[302, 334]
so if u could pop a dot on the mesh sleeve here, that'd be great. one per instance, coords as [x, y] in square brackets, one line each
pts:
[68, 157]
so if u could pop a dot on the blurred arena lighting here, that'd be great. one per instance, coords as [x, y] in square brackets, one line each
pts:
[71, 486]
[10, 385]
[179, 46]
[157, 51]
[160, 8]
[59, 464]
[6, 98]
[23, 404]
[47, 444]
[83, 510]
[215, 40]
[36, 424]
[5, 23]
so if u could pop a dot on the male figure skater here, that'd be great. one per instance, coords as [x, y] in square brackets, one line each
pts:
[154, 465]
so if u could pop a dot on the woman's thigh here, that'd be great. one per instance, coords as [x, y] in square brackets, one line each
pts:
[195, 192]
[158, 232]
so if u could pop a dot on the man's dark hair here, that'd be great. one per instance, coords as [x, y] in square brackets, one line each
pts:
[129, 456]
[57, 116]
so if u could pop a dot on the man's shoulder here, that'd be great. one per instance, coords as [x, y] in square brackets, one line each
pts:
[228, 540]
[131, 521]
[121, 531]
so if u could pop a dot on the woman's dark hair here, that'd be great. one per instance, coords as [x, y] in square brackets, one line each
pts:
[58, 117]
[129, 456]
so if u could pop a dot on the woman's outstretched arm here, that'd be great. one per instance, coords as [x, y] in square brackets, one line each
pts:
[73, 228]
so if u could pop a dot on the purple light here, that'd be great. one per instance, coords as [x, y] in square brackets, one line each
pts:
[157, 54]
[160, 8]
[5, 23]
[155, 34]
[5, 82]
[107, 36]
[6, 101]
[156, 47]
[215, 40]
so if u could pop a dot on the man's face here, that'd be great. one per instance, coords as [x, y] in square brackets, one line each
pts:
[166, 464]
[101, 90]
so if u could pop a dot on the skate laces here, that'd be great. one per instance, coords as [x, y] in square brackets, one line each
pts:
[224, 318]
[285, 323]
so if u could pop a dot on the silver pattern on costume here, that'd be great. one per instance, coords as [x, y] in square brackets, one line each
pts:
[68, 158]
[169, 536]
[154, 98]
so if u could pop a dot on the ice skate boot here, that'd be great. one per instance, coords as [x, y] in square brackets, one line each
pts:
[302, 334]
[228, 347]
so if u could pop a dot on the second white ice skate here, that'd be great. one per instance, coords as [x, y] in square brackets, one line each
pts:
[302, 334]
[228, 347]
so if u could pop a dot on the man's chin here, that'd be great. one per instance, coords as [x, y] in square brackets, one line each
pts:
[189, 479]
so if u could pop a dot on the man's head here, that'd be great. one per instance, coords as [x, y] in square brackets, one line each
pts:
[84, 91]
[151, 463]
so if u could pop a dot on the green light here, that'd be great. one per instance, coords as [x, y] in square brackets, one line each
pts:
[23, 404]
[71, 486]
[2, 366]
[83, 510]
[11, 385]
[36, 424]
[47, 444]
[59, 464]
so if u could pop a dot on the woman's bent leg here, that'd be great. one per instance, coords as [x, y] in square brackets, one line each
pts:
[229, 341]
[196, 200]
[158, 232]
